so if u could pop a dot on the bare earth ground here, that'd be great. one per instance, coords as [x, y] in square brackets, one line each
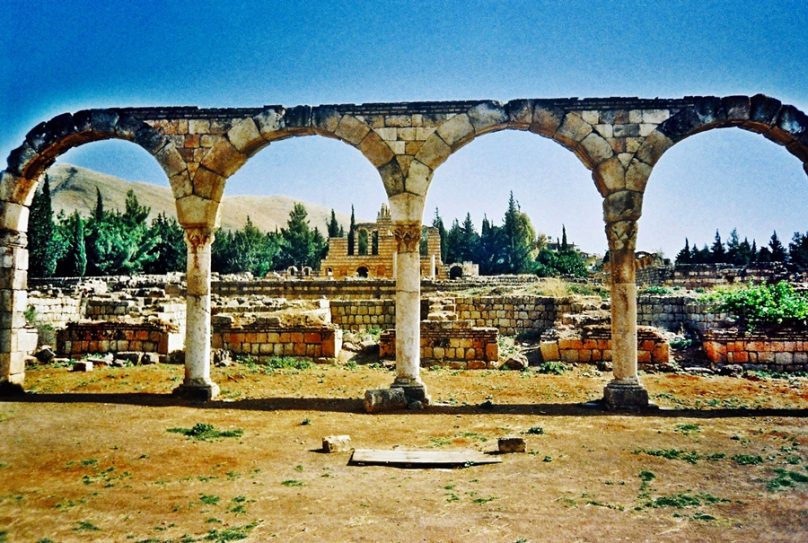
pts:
[88, 457]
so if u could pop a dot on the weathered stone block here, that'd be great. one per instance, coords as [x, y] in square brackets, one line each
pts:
[457, 131]
[245, 137]
[573, 129]
[487, 116]
[433, 153]
[511, 444]
[340, 443]
[352, 129]
[385, 399]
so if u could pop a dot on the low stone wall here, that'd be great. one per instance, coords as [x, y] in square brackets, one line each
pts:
[453, 344]
[56, 311]
[676, 312]
[80, 338]
[510, 315]
[262, 341]
[360, 315]
[710, 275]
[776, 350]
[595, 345]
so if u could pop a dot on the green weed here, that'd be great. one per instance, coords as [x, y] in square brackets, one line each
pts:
[206, 432]
[292, 482]
[747, 459]
[209, 499]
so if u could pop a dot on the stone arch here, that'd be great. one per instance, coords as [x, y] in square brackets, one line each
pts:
[246, 137]
[45, 142]
[363, 272]
[781, 123]
[455, 271]
[568, 128]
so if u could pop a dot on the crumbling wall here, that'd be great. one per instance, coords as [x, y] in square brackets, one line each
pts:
[774, 349]
[360, 315]
[80, 338]
[453, 344]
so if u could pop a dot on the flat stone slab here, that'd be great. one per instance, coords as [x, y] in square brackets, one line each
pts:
[421, 458]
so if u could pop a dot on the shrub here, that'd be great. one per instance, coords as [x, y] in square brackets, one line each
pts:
[763, 305]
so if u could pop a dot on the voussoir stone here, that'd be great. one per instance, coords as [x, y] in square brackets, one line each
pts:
[375, 149]
[487, 116]
[610, 176]
[269, 122]
[456, 131]
[245, 137]
[352, 129]
[433, 152]
[574, 128]
[625, 205]
[637, 175]
[653, 147]
[546, 121]
[224, 159]
[597, 148]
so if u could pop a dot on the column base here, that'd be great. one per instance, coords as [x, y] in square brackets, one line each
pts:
[197, 391]
[415, 391]
[10, 390]
[625, 395]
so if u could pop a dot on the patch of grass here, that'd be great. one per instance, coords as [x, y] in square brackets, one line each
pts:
[209, 499]
[440, 441]
[234, 533]
[206, 432]
[292, 482]
[85, 526]
[691, 457]
[786, 479]
[483, 500]
[535, 430]
[747, 459]
[656, 290]
[680, 344]
[288, 362]
[553, 368]
[687, 428]
[683, 499]
[89, 461]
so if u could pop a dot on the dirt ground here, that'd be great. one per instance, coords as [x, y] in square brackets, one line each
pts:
[89, 457]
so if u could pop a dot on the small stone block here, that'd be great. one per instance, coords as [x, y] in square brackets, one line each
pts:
[332, 444]
[385, 399]
[511, 444]
[83, 366]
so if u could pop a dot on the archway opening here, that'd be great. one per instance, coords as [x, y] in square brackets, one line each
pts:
[723, 185]
[550, 187]
[456, 272]
[362, 271]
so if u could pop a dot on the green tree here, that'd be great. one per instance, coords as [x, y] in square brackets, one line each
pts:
[99, 205]
[778, 251]
[437, 222]
[453, 243]
[77, 254]
[297, 245]
[170, 245]
[41, 243]
[733, 248]
[469, 241]
[134, 213]
[684, 256]
[352, 232]
[798, 251]
[744, 253]
[519, 238]
[717, 252]
[490, 256]
[334, 227]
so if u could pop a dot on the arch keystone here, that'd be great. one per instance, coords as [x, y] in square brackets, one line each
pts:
[546, 121]
[520, 113]
[487, 116]
[269, 122]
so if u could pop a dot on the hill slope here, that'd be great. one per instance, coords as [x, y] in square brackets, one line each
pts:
[73, 188]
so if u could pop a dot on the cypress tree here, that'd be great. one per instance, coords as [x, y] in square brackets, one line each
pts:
[564, 246]
[333, 226]
[78, 258]
[778, 251]
[351, 234]
[41, 234]
[437, 222]
[685, 256]
[99, 206]
[717, 252]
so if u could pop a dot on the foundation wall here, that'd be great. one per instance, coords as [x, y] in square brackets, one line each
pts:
[450, 344]
[261, 341]
[83, 338]
[359, 316]
[780, 350]
[596, 346]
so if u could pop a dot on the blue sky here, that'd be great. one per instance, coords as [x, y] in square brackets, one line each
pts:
[64, 56]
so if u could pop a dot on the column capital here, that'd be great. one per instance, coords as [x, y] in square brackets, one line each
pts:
[622, 236]
[408, 236]
[198, 237]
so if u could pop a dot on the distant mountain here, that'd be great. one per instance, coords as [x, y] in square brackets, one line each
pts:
[73, 188]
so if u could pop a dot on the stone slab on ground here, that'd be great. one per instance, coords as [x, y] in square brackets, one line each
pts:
[332, 444]
[421, 458]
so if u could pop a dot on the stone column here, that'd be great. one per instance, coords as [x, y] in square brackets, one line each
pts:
[432, 267]
[625, 391]
[197, 383]
[15, 343]
[408, 311]
[395, 265]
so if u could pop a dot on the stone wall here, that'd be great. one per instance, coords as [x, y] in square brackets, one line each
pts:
[264, 341]
[674, 313]
[594, 344]
[453, 344]
[360, 315]
[112, 337]
[57, 310]
[774, 350]
[510, 315]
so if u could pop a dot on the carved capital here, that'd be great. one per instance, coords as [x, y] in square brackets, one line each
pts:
[12, 238]
[408, 236]
[198, 238]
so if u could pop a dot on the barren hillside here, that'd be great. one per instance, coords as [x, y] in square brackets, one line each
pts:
[73, 188]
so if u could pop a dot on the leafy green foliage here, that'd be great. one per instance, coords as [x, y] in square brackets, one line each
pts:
[786, 479]
[553, 368]
[205, 432]
[683, 499]
[170, 246]
[244, 250]
[41, 242]
[763, 305]
[747, 459]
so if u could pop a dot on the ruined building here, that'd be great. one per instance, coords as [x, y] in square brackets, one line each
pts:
[374, 252]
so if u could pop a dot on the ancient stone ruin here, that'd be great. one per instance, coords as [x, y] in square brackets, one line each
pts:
[618, 139]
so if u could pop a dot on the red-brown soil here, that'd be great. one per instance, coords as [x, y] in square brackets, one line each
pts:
[87, 457]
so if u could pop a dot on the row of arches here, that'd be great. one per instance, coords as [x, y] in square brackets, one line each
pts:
[620, 175]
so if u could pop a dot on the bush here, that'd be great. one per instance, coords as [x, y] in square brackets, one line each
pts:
[656, 290]
[763, 305]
